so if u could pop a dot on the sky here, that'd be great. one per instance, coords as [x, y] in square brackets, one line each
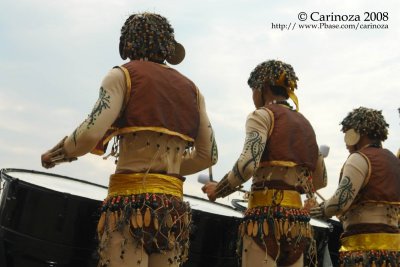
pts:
[54, 54]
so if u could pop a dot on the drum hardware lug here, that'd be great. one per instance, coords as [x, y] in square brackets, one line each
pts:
[51, 263]
[13, 198]
[13, 189]
[193, 230]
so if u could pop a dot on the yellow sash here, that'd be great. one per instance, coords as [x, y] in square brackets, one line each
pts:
[272, 197]
[139, 183]
[366, 242]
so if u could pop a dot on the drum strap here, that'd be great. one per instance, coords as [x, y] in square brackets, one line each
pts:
[274, 197]
[375, 241]
[140, 183]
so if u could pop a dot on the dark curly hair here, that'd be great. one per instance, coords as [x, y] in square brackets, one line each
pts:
[274, 73]
[147, 35]
[368, 122]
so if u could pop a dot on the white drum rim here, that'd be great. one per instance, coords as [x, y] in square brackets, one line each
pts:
[319, 223]
[224, 210]
[6, 173]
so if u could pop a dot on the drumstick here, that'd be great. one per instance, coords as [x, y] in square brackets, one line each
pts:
[210, 174]
[321, 197]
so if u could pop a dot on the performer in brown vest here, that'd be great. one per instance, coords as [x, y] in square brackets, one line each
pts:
[281, 154]
[367, 200]
[161, 132]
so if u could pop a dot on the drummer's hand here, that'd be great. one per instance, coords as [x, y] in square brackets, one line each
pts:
[56, 155]
[46, 160]
[209, 188]
[318, 212]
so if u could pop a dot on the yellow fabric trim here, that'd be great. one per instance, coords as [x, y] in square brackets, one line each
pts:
[139, 183]
[285, 198]
[278, 163]
[366, 180]
[378, 241]
[154, 129]
[379, 202]
[97, 152]
[139, 128]
[289, 89]
[281, 82]
[294, 98]
[128, 86]
[271, 115]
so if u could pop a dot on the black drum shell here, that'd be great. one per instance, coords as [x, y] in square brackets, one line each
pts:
[213, 238]
[46, 227]
[41, 227]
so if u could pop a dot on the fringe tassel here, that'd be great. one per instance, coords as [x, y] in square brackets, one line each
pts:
[101, 224]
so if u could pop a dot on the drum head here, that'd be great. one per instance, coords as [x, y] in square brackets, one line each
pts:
[321, 230]
[319, 223]
[57, 183]
[205, 205]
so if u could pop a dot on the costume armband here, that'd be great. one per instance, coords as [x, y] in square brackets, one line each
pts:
[58, 154]
[224, 188]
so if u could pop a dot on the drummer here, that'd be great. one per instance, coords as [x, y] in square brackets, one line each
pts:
[281, 154]
[161, 132]
[367, 200]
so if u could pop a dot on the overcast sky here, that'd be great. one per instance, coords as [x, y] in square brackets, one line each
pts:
[54, 54]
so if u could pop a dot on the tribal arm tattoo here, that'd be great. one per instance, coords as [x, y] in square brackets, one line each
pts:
[325, 176]
[344, 195]
[251, 154]
[214, 149]
[102, 103]
[76, 132]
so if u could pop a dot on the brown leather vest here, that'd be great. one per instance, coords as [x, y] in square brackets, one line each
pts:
[383, 183]
[158, 99]
[292, 140]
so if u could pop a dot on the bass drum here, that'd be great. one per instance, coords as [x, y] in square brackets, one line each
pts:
[318, 255]
[48, 220]
[334, 240]
[214, 234]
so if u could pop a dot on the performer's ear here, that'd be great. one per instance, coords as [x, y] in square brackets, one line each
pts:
[351, 137]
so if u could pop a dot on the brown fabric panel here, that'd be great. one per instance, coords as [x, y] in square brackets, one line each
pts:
[384, 182]
[160, 97]
[292, 139]
[286, 253]
[369, 228]
[273, 184]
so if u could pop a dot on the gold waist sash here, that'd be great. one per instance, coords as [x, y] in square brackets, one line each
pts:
[273, 197]
[376, 241]
[140, 183]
